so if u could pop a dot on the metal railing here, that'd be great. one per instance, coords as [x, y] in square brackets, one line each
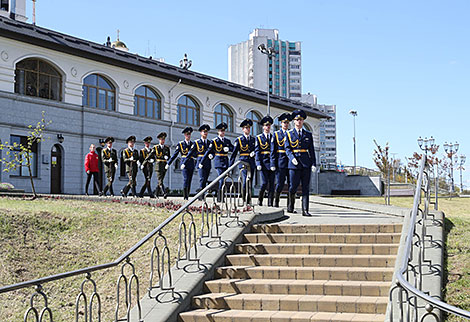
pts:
[414, 303]
[160, 279]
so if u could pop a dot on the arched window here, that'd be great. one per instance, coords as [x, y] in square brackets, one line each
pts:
[255, 117]
[147, 103]
[188, 111]
[98, 92]
[222, 113]
[35, 77]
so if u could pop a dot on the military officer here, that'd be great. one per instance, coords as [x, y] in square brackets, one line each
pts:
[162, 154]
[187, 161]
[279, 159]
[245, 144]
[218, 150]
[147, 159]
[110, 163]
[263, 161]
[301, 154]
[130, 156]
[198, 151]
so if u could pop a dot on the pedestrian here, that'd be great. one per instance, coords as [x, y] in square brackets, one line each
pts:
[130, 156]
[147, 159]
[279, 159]
[263, 161]
[162, 154]
[110, 164]
[92, 170]
[198, 151]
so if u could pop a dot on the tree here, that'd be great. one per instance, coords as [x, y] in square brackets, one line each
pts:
[19, 155]
[381, 158]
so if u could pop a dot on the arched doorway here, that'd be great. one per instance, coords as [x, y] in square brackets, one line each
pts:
[56, 169]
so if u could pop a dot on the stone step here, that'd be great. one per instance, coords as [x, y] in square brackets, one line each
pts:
[352, 238]
[353, 228]
[380, 274]
[341, 249]
[202, 315]
[301, 303]
[316, 260]
[298, 287]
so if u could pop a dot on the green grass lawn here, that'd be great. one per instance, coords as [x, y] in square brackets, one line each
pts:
[46, 236]
[457, 260]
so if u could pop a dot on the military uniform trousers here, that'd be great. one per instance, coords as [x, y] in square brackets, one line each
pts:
[203, 177]
[132, 174]
[110, 173]
[188, 174]
[296, 177]
[267, 179]
[281, 176]
[148, 172]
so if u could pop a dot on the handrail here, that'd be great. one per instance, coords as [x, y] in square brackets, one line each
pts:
[129, 252]
[402, 282]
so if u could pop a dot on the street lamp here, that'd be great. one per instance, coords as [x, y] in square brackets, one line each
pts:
[463, 158]
[451, 149]
[269, 52]
[185, 63]
[427, 144]
[354, 114]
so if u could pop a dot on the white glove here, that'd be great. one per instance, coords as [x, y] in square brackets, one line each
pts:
[226, 149]
[182, 166]
[88, 172]
[273, 168]
[258, 168]
[252, 154]
[200, 165]
[211, 156]
[151, 160]
[314, 169]
[132, 158]
[167, 166]
[142, 166]
[115, 165]
[295, 162]
[166, 157]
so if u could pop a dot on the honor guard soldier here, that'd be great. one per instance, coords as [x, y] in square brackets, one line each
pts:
[301, 154]
[187, 161]
[263, 161]
[147, 159]
[110, 163]
[162, 154]
[198, 151]
[279, 159]
[218, 150]
[245, 144]
[130, 156]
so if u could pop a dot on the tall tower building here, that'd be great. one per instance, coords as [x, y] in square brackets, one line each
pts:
[248, 66]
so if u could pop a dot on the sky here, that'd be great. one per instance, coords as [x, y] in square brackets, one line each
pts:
[403, 65]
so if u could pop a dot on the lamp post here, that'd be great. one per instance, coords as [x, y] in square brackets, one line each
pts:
[430, 145]
[185, 63]
[354, 114]
[269, 52]
[451, 149]
[463, 158]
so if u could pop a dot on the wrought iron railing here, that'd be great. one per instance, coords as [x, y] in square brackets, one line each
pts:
[160, 280]
[408, 300]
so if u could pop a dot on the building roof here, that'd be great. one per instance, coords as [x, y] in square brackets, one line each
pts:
[53, 40]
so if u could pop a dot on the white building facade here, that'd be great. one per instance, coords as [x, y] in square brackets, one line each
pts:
[94, 91]
[249, 67]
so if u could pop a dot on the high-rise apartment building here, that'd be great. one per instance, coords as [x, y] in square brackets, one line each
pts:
[327, 132]
[249, 67]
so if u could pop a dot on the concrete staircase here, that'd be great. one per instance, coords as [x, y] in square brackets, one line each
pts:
[303, 273]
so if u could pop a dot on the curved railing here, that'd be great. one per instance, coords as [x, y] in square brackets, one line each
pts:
[160, 255]
[413, 302]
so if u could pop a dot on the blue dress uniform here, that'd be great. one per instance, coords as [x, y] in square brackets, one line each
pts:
[187, 162]
[218, 150]
[198, 151]
[263, 162]
[279, 159]
[301, 154]
[246, 146]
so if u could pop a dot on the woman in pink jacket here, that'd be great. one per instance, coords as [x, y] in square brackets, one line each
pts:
[91, 168]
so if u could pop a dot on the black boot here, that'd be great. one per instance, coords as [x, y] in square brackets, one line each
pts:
[219, 195]
[142, 191]
[270, 199]
[134, 192]
[305, 207]
[125, 191]
[165, 192]
[261, 197]
[111, 190]
[277, 197]
[291, 203]
[105, 190]
[156, 193]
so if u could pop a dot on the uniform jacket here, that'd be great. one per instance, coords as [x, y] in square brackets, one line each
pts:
[216, 149]
[91, 162]
[263, 151]
[279, 157]
[130, 159]
[110, 159]
[184, 147]
[300, 148]
[162, 155]
[147, 158]
[245, 146]
[198, 151]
